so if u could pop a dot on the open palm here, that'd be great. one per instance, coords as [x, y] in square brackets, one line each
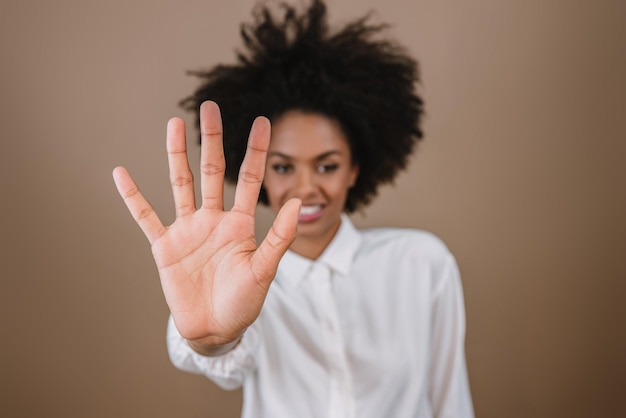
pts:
[213, 275]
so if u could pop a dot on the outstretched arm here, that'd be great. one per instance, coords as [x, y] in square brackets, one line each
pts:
[214, 277]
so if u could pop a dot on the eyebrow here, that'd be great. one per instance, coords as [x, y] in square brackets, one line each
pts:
[318, 158]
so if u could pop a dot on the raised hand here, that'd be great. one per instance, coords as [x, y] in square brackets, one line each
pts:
[214, 277]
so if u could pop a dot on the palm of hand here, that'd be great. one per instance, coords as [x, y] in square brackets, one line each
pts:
[213, 275]
[207, 274]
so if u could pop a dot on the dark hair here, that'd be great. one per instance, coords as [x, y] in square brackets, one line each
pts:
[294, 63]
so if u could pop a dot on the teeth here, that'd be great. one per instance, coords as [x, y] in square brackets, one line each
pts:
[309, 210]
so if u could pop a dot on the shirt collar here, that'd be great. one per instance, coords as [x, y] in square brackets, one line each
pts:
[338, 255]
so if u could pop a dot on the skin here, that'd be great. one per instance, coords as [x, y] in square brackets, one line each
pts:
[309, 159]
[214, 277]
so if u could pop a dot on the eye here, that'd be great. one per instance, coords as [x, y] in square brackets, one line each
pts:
[327, 168]
[281, 168]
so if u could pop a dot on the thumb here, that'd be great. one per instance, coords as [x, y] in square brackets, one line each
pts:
[280, 236]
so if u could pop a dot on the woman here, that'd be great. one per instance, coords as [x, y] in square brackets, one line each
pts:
[320, 319]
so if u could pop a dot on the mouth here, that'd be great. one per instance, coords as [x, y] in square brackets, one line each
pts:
[310, 213]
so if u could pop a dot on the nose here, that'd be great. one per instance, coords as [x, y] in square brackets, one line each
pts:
[305, 184]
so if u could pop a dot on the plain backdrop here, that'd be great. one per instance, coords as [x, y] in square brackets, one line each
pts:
[521, 173]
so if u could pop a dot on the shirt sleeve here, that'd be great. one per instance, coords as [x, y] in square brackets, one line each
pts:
[449, 391]
[227, 370]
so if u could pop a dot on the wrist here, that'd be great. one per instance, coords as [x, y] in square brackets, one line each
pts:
[209, 347]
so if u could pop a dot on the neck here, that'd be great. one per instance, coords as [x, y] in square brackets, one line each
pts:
[313, 247]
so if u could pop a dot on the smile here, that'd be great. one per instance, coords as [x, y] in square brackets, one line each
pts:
[310, 213]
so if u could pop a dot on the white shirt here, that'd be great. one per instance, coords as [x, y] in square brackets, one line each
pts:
[374, 327]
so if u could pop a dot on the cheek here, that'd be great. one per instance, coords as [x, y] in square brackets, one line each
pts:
[339, 189]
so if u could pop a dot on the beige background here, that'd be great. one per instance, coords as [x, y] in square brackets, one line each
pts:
[522, 174]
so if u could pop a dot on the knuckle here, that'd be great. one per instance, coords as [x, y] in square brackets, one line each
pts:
[180, 181]
[132, 192]
[143, 214]
[174, 150]
[273, 243]
[255, 149]
[186, 208]
[211, 131]
[278, 238]
[210, 169]
[274, 240]
[250, 177]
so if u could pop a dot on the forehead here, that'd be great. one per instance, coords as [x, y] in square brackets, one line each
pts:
[302, 135]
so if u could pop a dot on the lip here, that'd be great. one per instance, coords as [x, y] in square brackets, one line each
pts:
[310, 213]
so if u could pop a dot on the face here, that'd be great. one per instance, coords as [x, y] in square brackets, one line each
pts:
[309, 158]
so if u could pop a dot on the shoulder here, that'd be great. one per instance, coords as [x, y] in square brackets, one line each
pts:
[404, 241]
[407, 257]
[406, 249]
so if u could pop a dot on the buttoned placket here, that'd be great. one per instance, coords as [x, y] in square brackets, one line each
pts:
[341, 401]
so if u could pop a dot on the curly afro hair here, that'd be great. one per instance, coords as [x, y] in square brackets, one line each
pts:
[294, 62]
